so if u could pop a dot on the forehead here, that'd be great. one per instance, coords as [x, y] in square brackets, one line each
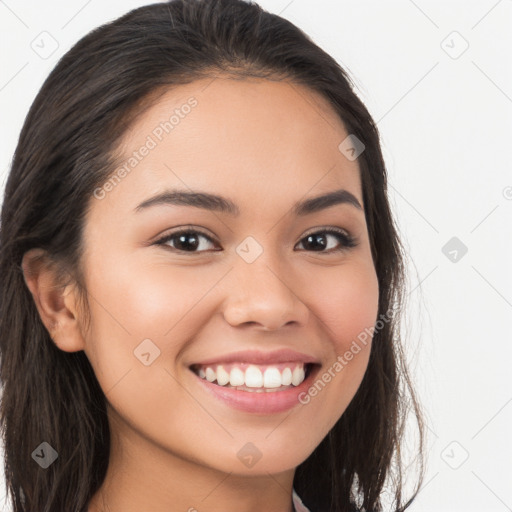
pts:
[253, 138]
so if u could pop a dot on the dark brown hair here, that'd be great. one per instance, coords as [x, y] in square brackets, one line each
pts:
[66, 149]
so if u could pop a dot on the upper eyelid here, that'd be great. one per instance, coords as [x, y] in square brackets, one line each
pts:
[321, 229]
[188, 229]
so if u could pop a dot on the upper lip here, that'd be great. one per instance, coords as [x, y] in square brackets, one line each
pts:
[259, 357]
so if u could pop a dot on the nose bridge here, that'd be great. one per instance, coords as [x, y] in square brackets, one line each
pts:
[260, 291]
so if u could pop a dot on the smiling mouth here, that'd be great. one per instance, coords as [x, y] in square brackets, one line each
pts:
[254, 377]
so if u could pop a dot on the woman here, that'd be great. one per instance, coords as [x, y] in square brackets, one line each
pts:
[201, 277]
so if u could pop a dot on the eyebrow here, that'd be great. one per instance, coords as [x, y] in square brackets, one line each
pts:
[221, 204]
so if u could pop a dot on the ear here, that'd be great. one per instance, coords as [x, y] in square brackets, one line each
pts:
[55, 302]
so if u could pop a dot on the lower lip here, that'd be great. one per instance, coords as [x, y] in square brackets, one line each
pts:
[264, 402]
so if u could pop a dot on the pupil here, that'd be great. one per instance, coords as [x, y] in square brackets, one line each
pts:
[182, 240]
[316, 246]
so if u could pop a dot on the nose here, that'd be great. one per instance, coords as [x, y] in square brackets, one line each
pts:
[263, 297]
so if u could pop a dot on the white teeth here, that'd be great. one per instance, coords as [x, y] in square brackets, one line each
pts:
[297, 376]
[222, 376]
[253, 377]
[236, 377]
[272, 378]
[286, 377]
[210, 375]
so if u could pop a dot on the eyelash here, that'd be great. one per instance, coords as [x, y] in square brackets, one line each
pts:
[347, 241]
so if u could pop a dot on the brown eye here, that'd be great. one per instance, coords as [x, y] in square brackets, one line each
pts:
[195, 241]
[319, 240]
[185, 241]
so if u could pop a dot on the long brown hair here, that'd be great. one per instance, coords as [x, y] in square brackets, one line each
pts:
[65, 151]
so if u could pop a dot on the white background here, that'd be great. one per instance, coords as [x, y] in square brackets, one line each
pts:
[445, 117]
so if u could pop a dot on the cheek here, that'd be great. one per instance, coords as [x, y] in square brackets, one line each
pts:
[347, 306]
[146, 299]
[347, 303]
[142, 314]
[134, 302]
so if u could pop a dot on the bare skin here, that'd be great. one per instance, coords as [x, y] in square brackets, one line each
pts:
[264, 145]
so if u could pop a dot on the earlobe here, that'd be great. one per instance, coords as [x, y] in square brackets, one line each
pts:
[54, 301]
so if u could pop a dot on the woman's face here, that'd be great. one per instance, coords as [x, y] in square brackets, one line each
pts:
[256, 287]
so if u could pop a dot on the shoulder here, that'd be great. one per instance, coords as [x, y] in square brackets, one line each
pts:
[300, 507]
[297, 503]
